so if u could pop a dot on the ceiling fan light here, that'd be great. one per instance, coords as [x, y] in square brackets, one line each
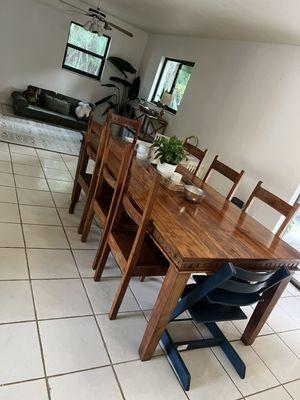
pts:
[87, 25]
[94, 27]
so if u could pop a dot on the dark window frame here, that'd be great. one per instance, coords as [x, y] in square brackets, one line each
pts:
[182, 62]
[91, 53]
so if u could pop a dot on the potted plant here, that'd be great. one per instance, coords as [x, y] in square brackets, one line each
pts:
[170, 153]
[125, 90]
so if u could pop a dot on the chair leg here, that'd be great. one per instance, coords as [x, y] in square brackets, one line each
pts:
[142, 278]
[85, 213]
[229, 351]
[100, 261]
[119, 296]
[88, 223]
[176, 361]
[75, 197]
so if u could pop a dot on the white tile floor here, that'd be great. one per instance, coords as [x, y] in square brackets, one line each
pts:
[56, 341]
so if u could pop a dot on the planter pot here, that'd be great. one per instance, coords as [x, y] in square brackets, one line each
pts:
[166, 170]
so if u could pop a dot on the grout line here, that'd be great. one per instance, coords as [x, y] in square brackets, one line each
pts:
[33, 302]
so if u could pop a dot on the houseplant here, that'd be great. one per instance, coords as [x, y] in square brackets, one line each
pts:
[170, 153]
[125, 90]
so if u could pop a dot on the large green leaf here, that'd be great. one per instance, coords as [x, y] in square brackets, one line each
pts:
[104, 100]
[109, 85]
[122, 65]
[133, 92]
[110, 107]
[120, 80]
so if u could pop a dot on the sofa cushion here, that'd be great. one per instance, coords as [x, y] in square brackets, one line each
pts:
[55, 104]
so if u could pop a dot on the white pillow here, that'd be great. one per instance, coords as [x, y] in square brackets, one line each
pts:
[83, 110]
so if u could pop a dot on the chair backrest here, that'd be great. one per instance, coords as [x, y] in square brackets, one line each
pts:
[228, 172]
[232, 286]
[95, 138]
[196, 152]
[143, 182]
[281, 206]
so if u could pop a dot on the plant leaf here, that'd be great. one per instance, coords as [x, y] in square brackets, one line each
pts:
[109, 108]
[122, 65]
[120, 80]
[133, 92]
[109, 85]
[104, 100]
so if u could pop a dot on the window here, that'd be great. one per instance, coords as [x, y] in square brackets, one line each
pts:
[85, 51]
[173, 78]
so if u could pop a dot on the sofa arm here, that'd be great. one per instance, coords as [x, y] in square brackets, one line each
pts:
[19, 100]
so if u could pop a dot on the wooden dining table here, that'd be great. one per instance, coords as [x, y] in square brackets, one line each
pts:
[200, 238]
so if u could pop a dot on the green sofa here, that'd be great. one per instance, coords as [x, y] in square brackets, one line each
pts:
[38, 111]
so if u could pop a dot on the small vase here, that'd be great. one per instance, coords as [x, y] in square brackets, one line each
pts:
[166, 170]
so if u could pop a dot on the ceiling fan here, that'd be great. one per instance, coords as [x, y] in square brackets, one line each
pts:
[98, 20]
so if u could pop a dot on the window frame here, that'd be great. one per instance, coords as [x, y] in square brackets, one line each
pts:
[91, 53]
[182, 62]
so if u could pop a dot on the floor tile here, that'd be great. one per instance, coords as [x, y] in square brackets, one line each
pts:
[8, 194]
[291, 305]
[35, 390]
[9, 213]
[39, 215]
[6, 179]
[28, 170]
[124, 335]
[35, 198]
[16, 301]
[283, 363]
[63, 200]
[76, 243]
[281, 321]
[11, 235]
[60, 298]
[4, 147]
[20, 353]
[102, 293]
[149, 380]
[72, 344]
[30, 151]
[241, 325]
[294, 389]
[146, 292]
[208, 378]
[227, 328]
[13, 264]
[47, 264]
[45, 237]
[69, 158]
[181, 330]
[53, 164]
[50, 155]
[4, 156]
[70, 219]
[60, 186]
[58, 175]
[84, 260]
[258, 376]
[92, 385]
[292, 339]
[25, 159]
[5, 167]
[273, 394]
[29, 182]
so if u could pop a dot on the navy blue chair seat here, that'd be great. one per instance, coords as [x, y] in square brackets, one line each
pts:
[218, 298]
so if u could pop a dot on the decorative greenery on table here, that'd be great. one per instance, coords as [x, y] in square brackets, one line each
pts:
[125, 90]
[169, 150]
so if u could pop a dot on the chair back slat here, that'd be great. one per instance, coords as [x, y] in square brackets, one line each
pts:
[226, 171]
[281, 206]
[131, 210]
[196, 152]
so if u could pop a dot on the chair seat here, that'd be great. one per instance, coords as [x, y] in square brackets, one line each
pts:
[204, 311]
[121, 243]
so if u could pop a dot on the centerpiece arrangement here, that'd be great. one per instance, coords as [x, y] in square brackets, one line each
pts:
[170, 152]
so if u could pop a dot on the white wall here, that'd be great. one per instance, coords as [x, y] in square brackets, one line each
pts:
[243, 102]
[33, 37]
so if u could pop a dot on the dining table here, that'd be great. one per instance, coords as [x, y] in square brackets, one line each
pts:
[200, 238]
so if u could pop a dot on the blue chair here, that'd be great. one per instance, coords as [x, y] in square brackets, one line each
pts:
[218, 298]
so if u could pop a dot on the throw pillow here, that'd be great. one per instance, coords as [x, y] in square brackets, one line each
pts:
[31, 94]
[83, 110]
[54, 104]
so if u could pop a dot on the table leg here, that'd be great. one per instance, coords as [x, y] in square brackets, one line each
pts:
[262, 311]
[169, 294]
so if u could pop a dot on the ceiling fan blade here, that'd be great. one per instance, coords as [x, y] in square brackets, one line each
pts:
[120, 29]
[72, 5]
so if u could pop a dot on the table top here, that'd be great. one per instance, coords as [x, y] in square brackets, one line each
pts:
[202, 236]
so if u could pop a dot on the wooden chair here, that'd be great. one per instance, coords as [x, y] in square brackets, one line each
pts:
[275, 202]
[199, 154]
[92, 147]
[218, 298]
[134, 250]
[112, 125]
[228, 172]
